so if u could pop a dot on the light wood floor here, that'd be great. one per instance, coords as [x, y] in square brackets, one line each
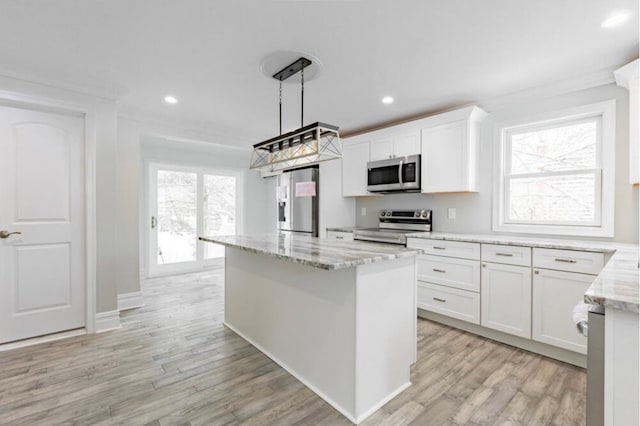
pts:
[173, 362]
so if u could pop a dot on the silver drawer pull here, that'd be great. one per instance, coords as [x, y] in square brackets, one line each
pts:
[439, 248]
[437, 299]
[439, 270]
[339, 238]
[566, 260]
[504, 254]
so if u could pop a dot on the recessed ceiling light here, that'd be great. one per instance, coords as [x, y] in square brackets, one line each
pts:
[387, 100]
[615, 20]
[170, 99]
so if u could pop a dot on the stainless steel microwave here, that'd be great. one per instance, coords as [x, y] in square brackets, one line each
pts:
[400, 174]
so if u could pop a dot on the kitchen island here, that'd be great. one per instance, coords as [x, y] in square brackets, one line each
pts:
[339, 316]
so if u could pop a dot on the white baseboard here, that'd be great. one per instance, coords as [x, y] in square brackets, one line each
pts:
[43, 339]
[130, 300]
[107, 321]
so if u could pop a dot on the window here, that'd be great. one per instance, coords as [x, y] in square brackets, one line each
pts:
[555, 174]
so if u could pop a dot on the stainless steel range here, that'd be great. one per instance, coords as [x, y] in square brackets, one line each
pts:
[394, 225]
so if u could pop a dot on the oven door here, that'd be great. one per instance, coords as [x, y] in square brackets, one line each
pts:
[394, 174]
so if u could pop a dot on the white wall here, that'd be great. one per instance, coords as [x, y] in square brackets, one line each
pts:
[473, 211]
[104, 134]
[141, 142]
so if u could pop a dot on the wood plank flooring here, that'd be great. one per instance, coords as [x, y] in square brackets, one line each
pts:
[174, 363]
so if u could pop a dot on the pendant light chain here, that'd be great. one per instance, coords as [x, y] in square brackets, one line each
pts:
[280, 105]
[302, 99]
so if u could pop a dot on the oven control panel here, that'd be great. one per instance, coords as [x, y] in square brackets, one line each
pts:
[401, 215]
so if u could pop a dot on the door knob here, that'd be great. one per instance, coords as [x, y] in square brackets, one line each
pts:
[6, 234]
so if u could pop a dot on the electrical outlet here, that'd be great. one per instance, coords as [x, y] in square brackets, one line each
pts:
[451, 212]
[363, 211]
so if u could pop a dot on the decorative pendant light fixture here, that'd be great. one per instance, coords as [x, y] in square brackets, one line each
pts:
[307, 145]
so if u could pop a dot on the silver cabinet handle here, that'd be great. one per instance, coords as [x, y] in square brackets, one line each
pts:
[154, 222]
[437, 299]
[566, 260]
[439, 270]
[504, 254]
[6, 234]
[439, 248]
[339, 237]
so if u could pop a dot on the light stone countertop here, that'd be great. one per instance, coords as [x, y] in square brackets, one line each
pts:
[319, 253]
[617, 285]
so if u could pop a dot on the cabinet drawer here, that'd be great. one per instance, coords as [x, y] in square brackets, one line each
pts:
[451, 272]
[461, 304]
[339, 236]
[510, 255]
[584, 262]
[446, 248]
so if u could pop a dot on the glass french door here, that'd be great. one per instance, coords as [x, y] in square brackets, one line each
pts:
[185, 203]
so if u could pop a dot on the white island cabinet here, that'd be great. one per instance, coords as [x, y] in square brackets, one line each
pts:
[339, 316]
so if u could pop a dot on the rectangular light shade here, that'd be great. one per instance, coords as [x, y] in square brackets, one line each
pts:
[305, 146]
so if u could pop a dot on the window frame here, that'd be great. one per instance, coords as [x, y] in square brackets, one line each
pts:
[604, 172]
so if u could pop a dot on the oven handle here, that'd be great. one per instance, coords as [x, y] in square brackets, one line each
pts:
[400, 173]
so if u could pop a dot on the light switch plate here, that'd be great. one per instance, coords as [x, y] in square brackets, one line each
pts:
[451, 212]
[363, 211]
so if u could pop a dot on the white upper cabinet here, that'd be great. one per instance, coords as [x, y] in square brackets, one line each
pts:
[381, 149]
[355, 156]
[406, 144]
[395, 144]
[627, 77]
[450, 151]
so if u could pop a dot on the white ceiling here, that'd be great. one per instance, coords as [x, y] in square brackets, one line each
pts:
[427, 54]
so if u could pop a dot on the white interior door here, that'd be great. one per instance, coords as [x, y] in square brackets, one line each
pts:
[42, 266]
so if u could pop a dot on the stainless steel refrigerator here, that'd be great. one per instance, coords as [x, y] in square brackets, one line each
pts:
[298, 201]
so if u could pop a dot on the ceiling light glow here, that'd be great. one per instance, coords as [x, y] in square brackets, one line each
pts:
[170, 99]
[615, 20]
[387, 100]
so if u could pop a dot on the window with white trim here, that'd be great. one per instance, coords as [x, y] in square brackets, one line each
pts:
[552, 175]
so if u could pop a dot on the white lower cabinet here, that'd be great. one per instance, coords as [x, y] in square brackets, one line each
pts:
[519, 290]
[449, 285]
[506, 298]
[452, 302]
[555, 293]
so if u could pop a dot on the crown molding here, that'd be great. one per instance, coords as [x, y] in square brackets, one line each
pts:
[110, 95]
[560, 87]
[198, 133]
